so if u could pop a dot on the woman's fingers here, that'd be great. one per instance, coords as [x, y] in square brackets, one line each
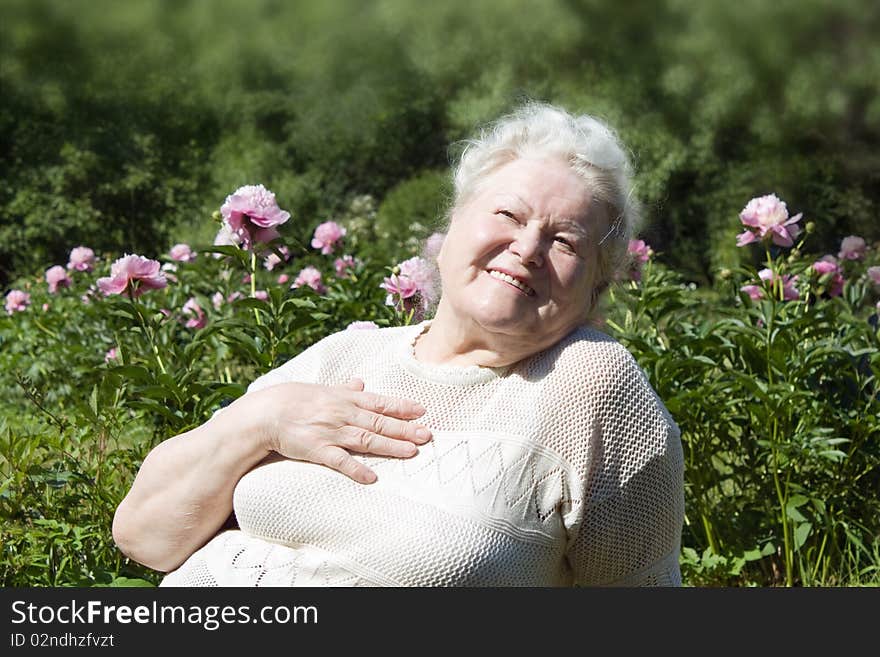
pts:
[405, 409]
[341, 461]
[355, 384]
[390, 427]
[367, 442]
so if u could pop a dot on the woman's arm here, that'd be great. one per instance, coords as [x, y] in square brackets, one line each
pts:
[182, 493]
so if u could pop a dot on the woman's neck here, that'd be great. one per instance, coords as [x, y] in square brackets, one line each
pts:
[451, 341]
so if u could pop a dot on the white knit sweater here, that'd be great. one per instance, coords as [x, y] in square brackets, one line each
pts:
[563, 469]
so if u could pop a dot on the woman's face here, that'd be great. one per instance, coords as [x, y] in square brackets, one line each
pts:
[520, 256]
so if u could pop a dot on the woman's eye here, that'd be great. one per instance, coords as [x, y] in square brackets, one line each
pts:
[507, 213]
[564, 242]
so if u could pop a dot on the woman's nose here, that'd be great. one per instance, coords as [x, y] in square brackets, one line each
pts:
[528, 245]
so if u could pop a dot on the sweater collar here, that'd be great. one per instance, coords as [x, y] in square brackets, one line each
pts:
[455, 375]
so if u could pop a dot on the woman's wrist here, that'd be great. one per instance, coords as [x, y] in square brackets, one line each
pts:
[242, 429]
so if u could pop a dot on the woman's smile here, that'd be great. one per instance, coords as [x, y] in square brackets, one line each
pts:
[511, 281]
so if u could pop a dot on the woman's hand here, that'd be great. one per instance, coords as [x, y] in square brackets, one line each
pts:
[318, 423]
[183, 491]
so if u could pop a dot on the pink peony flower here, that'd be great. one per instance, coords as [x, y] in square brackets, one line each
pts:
[57, 277]
[225, 237]
[422, 272]
[755, 292]
[874, 275]
[639, 251]
[326, 236]
[343, 264]
[217, 300]
[433, 245]
[17, 301]
[45, 307]
[789, 291]
[112, 354]
[852, 248]
[82, 258]
[312, 277]
[169, 268]
[413, 287]
[133, 272]
[360, 326]
[283, 278]
[234, 297]
[251, 214]
[766, 217]
[262, 295]
[400, 286]
[272, 260]
[182, 253]
[828, 269]
[196, 316]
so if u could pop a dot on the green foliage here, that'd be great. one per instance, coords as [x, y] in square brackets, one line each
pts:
[414, 209]
[779, 407]
[323, 102]
[79, 422]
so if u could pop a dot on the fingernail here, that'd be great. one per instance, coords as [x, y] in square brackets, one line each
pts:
[420, 409]
[424, 434]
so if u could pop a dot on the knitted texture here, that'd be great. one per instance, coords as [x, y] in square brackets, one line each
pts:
[563, 469]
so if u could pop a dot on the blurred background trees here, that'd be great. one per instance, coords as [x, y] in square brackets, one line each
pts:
[123, 125]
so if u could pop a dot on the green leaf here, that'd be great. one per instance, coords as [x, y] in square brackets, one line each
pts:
[801, 532]
[93, 400]
[252, 303]
[131, 582]
[133, 372]
[794, 514]
[797, 500]
[752, 555]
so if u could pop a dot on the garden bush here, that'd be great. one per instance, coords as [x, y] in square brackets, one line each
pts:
[771, 376]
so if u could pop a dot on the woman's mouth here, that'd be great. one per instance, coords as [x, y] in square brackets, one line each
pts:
[507, 278]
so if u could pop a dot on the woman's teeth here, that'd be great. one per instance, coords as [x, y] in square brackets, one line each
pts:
[510, 279]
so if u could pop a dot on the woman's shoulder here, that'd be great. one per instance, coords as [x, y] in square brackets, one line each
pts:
[587, 350]
[343, 346]
[368, 340]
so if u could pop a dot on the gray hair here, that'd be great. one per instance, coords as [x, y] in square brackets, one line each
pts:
[592, 149]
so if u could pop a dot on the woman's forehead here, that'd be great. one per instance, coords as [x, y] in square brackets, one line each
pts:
[538, 184]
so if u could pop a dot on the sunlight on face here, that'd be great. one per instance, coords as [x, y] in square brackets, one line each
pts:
[520, 255]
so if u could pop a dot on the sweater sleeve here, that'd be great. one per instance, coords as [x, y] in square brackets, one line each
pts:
[302, 368]
[630, 520]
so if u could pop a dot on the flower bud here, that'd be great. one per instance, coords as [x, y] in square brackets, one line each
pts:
[810, 227]
[725, 274]
[216, 216]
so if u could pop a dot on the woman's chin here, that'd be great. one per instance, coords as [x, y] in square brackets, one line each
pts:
[507, 323]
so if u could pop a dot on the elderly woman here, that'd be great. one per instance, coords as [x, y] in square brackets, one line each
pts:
[503, 443]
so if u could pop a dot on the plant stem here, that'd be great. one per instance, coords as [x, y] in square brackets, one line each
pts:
[254, 284]
[710, 538]
[51, 334]
[782, 497]
[147, 331]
